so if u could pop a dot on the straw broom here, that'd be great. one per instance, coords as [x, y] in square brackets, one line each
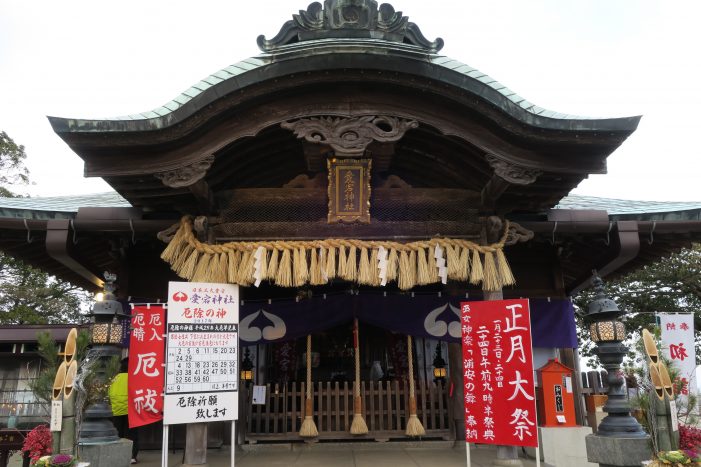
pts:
[308, 428]
[358, 426]
[413, 425]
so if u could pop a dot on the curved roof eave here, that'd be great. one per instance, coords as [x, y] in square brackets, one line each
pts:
[334, 54]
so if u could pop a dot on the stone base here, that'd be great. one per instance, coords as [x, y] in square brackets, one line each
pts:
[565, 446]
[117, 454]
[620, 452]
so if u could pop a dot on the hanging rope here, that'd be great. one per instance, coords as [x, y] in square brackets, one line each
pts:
[358, 426]
[292, 263]
[308, 428]
[413, 425]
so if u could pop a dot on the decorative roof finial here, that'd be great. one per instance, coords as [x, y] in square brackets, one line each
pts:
[357, 19]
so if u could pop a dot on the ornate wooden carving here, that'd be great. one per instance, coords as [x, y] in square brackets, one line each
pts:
[350, 136]
[512, 173]
[349, 190]
[518, 234]
[349, 18]
[186, 175]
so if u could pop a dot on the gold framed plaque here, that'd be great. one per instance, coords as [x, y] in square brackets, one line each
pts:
[349, 190]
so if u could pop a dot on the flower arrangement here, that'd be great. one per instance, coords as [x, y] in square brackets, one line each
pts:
[676, 458]
[37, 443]
[57, 460]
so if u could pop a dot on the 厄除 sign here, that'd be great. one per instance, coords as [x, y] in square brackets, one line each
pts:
[202, 354]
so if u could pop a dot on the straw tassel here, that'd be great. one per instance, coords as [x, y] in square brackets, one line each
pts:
[464, 274]
[432, 267]
[364, 270]
[358, 425]
[392, 265]
[219, 266]
[172, 251]
[300, 265]
[405, 282]
[284, 270]
[491, 278]
[183, 255]
[272, 265]
[188, 269]
[308, 428]
[232, 269]
[244, 277]
[342, 262]
[505, 274]
[452, 257]
[351, 265]
[423, 276]
[412, 268]
[476, 273]
[413, 425]
[330, 266]
[374, 272]
[315, 269]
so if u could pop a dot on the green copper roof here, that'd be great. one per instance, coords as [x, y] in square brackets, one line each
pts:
[687, 210]
[641, 210]
[341, 46]
[57, 207]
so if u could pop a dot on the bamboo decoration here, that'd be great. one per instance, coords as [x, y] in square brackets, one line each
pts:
[295, 263]
[308, 428]
[358, 425]
[413, 425]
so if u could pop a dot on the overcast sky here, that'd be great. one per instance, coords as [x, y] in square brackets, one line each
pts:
[96, 59]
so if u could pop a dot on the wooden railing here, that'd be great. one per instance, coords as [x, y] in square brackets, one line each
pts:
[385, 408]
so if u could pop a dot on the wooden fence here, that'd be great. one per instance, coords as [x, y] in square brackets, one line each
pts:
[385, 408]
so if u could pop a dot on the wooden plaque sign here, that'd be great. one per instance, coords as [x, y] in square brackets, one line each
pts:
[349, 190]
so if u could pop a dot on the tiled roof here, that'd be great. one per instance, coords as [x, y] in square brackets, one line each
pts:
[232, 71]
[625, 206]
[58, 206]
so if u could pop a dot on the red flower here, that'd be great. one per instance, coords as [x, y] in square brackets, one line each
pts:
[38, 443]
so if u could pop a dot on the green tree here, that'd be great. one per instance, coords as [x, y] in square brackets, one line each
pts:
[28, 295]
[12, 169]
[670, 285]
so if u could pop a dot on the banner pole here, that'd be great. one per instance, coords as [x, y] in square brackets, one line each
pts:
[467, 454]
[233, 443]
[164, 447]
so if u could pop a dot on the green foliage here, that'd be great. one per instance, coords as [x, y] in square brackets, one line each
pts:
[671, 285]
[98, 376]
[12, 168]
[42, 386]
[31, 296]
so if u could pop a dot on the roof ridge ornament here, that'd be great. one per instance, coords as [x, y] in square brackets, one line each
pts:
[349, 19]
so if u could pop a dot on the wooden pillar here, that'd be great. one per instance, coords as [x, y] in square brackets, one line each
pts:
[195, 444]
[457, 400]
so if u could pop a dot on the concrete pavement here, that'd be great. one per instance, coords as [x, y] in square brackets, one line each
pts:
[425, 454]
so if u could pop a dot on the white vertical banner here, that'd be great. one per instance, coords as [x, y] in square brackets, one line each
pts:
[677, 332]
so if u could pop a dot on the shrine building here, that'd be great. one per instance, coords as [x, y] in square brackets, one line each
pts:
[349, 173]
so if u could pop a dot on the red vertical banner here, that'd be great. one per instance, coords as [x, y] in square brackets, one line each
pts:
[146, 358]
[500, 406]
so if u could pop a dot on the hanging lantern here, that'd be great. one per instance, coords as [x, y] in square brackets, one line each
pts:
[439, 372]
[247, 368]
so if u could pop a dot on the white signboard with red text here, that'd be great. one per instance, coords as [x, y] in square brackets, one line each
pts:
[499, 391]
[202, 353]
[677, 333]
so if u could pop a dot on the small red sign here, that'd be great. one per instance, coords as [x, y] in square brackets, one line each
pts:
[146, 357]
[499, 387]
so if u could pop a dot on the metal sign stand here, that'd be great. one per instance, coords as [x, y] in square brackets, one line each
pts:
[467, 454]
[164, 448]
[233, 443]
